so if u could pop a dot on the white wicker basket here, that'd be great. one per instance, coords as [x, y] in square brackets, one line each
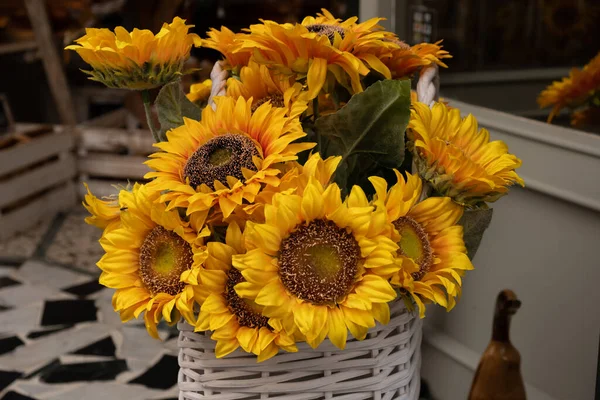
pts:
[384, 366]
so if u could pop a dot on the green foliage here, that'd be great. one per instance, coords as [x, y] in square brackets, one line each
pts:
[172, 106]
[368, 132]
[475, 222]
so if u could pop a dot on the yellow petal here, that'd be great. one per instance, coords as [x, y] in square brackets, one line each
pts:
[376, 289]
[270, 351]
[225, 347]
[304, 314]
[338, 333]
[381, 312]
[247, 337]
[317, 72]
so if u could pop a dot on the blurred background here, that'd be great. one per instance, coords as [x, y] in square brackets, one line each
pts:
[542, 242]
[502, 50]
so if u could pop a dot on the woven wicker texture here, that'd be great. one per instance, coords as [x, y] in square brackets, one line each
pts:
[384, 366]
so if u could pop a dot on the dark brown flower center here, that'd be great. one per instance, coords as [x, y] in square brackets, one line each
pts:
[275, 99]
[326, 30]
[219, 158]
[318, 262]
[164, 255]
[398, 42]
[414, 244]
[247, 312]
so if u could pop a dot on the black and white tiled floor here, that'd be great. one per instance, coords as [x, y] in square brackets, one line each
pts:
[60, 338]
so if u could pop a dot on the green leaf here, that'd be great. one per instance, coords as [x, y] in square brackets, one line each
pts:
[475, 222]
[173, 105]
[368, 132]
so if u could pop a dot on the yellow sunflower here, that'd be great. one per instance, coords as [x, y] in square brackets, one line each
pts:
[294, 50]
[432, 255]
[263, 85]
[147, 256]
[105, 213]
[574, 90]
[236, 322]
[457, 159]
[226, 42]
[137, 60]
[199, 92]
[310, 264]
[226, 157]
[403, 60]
[359, 39]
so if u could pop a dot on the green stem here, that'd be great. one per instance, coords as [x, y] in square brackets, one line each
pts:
[148, 110]
[315, 116]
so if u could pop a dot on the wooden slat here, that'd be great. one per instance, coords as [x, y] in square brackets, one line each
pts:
[23, 218]
[36, 9]
[22, 155]
[16, 47]
[111, 166]
[36, 180]
[137, 141]
[102, 95]
[112, 119]
[23, 127]
[101, 188]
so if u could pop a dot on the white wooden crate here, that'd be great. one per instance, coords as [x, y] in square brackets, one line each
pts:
[111, 152]
[36, 176]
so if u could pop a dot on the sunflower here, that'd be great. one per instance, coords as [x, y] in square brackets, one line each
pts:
[574, 90]
[137, 60]
[310, 264]
[403, 60]
[226, 42]
[359, 39]
[295, 51]
[236, 322]
[432, 254]
[263, 85]
[457, 159]
[225, 158]
[199, 92]
[105, 213]
[146, 258]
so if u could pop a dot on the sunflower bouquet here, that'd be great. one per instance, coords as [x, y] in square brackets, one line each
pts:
[307, 192]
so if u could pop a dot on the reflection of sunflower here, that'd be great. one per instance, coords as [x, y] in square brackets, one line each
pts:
[224, 158]
[457, 159]
[263, 85]
[199, 92]
[236, 322]
[573, 91]
[225, 41]
[310, 264]
[105, 213]
[136, 60]
[295, 50]
[146, 258]
[432, 254]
